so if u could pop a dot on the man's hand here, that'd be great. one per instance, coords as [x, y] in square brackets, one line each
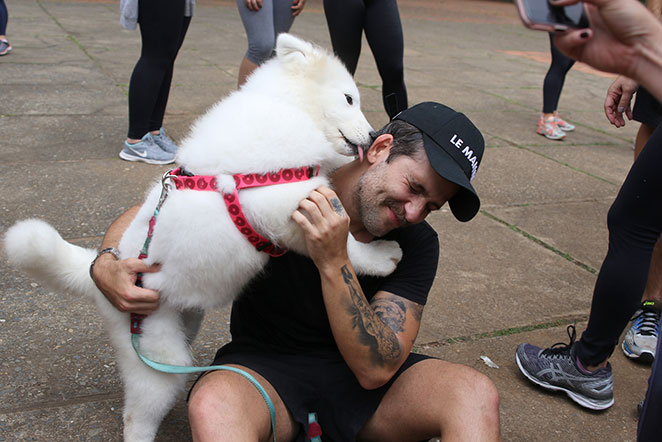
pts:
[325, 225]
[117, 281]
[619, 96]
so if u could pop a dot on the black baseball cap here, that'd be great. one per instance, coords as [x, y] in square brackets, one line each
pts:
[454, 147]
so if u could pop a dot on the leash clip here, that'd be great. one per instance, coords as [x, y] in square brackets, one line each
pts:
[167, 176]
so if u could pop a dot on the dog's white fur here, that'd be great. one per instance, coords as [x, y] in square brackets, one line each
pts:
[301, 108]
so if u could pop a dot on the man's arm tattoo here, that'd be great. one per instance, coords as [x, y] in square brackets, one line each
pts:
[392, 313]
[382, 341]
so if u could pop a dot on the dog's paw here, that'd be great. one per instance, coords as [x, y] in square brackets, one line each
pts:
[376, 258]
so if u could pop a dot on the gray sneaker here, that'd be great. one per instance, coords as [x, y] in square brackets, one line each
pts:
[640, 340]
[165, 142]
[146, 151]
[555, 368]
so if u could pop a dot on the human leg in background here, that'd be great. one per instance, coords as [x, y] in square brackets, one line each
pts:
[643, 134]
[162, 29]
[550, 124]
[5, 47]
[635, 224]
[640, 339]
[650, 424]
[648, 111]
[345, 19]
[156, 120]
[381, 20]
[383, 31]
[262, 27]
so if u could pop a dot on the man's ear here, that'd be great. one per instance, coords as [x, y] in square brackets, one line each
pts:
[379, 149]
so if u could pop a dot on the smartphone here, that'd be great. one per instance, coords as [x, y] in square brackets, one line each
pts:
[542, 16]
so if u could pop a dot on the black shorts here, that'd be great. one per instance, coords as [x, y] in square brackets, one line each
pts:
[647, 109]
[316, 382]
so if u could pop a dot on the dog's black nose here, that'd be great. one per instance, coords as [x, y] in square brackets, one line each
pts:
[373, 136]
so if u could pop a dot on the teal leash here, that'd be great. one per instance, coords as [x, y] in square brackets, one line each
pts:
[181, 369]
[314, 429]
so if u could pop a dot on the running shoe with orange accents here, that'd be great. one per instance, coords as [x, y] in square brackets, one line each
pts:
[563, 125]
[549, 129]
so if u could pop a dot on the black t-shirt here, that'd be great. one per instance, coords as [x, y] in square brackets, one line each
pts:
[283, 310]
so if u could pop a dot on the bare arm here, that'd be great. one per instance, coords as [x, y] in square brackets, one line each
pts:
[117, 279]
[374, 338]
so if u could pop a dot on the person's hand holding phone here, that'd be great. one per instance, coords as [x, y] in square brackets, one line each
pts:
[624, 38]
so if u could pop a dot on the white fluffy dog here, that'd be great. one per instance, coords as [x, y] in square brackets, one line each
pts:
[299, 109]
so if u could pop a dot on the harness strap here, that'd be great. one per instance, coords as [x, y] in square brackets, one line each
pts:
[183, 180]
[283, 176]
[260, 243]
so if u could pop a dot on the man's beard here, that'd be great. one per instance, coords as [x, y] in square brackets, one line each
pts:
[369, 206]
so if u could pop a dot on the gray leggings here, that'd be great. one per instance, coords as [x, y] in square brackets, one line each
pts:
[264, 25]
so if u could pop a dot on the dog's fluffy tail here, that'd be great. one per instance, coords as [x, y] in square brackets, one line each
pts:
[36, 248]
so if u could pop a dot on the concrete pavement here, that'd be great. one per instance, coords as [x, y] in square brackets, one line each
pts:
[520, 272]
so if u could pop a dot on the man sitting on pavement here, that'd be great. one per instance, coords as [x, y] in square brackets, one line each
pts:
[320, 339]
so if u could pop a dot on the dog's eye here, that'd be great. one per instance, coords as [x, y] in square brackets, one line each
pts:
[349, 99]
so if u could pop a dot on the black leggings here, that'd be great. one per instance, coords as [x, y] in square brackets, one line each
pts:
[553, 84]
[381, 20]
[162, 29]
[635, 223]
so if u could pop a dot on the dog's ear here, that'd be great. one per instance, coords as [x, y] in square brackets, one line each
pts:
[290, 49]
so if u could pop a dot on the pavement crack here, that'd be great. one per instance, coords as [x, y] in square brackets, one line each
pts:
[562, 163]
[503, 332]
[540, 242]
[44, 405]
[72, 38]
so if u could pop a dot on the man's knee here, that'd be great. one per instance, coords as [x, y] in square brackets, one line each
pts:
[214, 398]
[200, 412]
[203, 401]
[487, 393]
[226, 406]
[435, 397]
[477, 388]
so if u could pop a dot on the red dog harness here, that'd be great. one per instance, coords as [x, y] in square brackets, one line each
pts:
[183, 180]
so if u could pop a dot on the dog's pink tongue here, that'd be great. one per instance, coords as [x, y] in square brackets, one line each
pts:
[360, 149]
